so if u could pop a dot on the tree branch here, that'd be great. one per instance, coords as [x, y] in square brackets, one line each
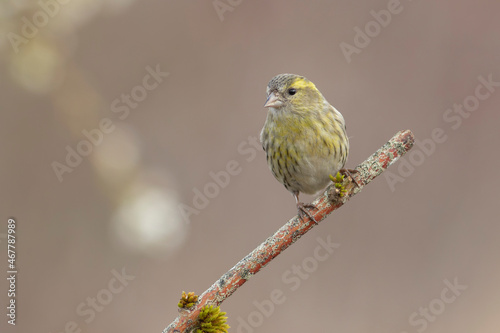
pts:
[293, 230]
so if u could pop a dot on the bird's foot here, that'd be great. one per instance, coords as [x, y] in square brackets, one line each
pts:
[349, 173]
[341, 183]
[304, 212]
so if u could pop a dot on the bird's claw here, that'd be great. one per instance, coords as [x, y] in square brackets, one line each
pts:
[304, 212]
[349, 173]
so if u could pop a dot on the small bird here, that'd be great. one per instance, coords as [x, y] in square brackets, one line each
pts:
[304, 137]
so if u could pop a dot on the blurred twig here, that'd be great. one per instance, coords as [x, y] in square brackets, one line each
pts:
[293, 230]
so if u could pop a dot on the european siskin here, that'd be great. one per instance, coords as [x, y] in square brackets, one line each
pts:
[304, 137]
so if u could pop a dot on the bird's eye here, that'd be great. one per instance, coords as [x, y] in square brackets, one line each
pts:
[292, 91]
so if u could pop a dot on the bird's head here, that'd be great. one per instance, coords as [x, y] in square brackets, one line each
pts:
[290, 92]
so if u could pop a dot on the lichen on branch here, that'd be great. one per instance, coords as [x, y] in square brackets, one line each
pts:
[295, 228]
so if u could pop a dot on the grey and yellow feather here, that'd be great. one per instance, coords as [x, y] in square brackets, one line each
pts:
[304, 137]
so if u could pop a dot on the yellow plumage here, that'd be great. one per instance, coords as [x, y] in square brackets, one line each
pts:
[304, 137]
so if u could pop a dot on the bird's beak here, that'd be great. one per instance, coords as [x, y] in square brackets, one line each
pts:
[273, 101]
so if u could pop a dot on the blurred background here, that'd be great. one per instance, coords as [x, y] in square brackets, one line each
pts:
[130, 165]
